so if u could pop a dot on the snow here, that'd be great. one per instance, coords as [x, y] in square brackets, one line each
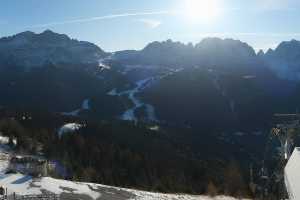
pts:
[73, 113]
[4, 140]
[102, 63]
[113, 92]
[292, 175]
[154, 196]
[154, 128]
[129, 115]
[21, 184]
[18, 183]
[4, 162]
[56, 186]
[26, 185]
[69, 128]
[84, 106]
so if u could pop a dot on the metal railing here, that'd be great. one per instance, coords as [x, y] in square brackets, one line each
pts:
[32, 197]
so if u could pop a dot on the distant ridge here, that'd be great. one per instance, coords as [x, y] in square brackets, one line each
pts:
[29, 49]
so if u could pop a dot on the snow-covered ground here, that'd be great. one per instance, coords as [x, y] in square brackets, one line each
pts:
[68, 128]
[22, 184]
[102, 62]
[129, 115]
[26, 185]
[84, 106]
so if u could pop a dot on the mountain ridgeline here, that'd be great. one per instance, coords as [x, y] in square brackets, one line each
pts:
[209, 52]
[214, 78]
[28, 49]
[203, 104]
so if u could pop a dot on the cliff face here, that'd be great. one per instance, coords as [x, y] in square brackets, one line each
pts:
[28, 49]
[285, 60]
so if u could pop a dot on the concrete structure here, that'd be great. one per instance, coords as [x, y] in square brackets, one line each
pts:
[292, 175]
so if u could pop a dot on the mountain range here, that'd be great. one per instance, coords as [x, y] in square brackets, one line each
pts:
[37, 67]
[28, 49]
[169, 108]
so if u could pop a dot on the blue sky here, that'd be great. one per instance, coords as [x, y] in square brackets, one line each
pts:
[131, 24]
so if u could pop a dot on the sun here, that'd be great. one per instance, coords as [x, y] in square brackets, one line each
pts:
[201, 11]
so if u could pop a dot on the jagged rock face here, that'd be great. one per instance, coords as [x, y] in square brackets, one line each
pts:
[285, 60]
[261, 53]
[226, 47]
[167, 53]
[210, 51]
[30, 50]
[227, 52]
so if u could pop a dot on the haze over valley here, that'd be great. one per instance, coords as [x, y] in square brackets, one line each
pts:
[97, 103]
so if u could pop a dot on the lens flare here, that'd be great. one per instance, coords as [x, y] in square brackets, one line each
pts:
[201, 11]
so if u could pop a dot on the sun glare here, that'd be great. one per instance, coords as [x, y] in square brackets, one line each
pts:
[201, 11]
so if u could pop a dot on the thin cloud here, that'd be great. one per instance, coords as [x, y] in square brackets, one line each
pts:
[105, 17]
[150, 23]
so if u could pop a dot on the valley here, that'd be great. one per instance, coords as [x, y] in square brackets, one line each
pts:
[170, 118]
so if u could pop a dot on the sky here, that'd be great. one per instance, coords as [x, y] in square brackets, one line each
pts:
[131, 24]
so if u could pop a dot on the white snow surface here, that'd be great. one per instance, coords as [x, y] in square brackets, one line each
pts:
[129, 115]
[140, 195]
[84, 106]
[69, 128]
[26, 185]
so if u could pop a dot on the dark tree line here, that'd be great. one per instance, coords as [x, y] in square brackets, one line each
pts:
[123, 154]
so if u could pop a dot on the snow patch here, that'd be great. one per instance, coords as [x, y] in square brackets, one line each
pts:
[69, 128]
[84, 106]
[129, 114]
[57, 186]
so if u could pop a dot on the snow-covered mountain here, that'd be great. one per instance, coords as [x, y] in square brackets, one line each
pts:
[29, 49]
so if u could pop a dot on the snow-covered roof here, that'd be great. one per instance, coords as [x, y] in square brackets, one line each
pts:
[292, 175]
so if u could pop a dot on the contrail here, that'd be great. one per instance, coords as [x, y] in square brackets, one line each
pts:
[113, 16]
